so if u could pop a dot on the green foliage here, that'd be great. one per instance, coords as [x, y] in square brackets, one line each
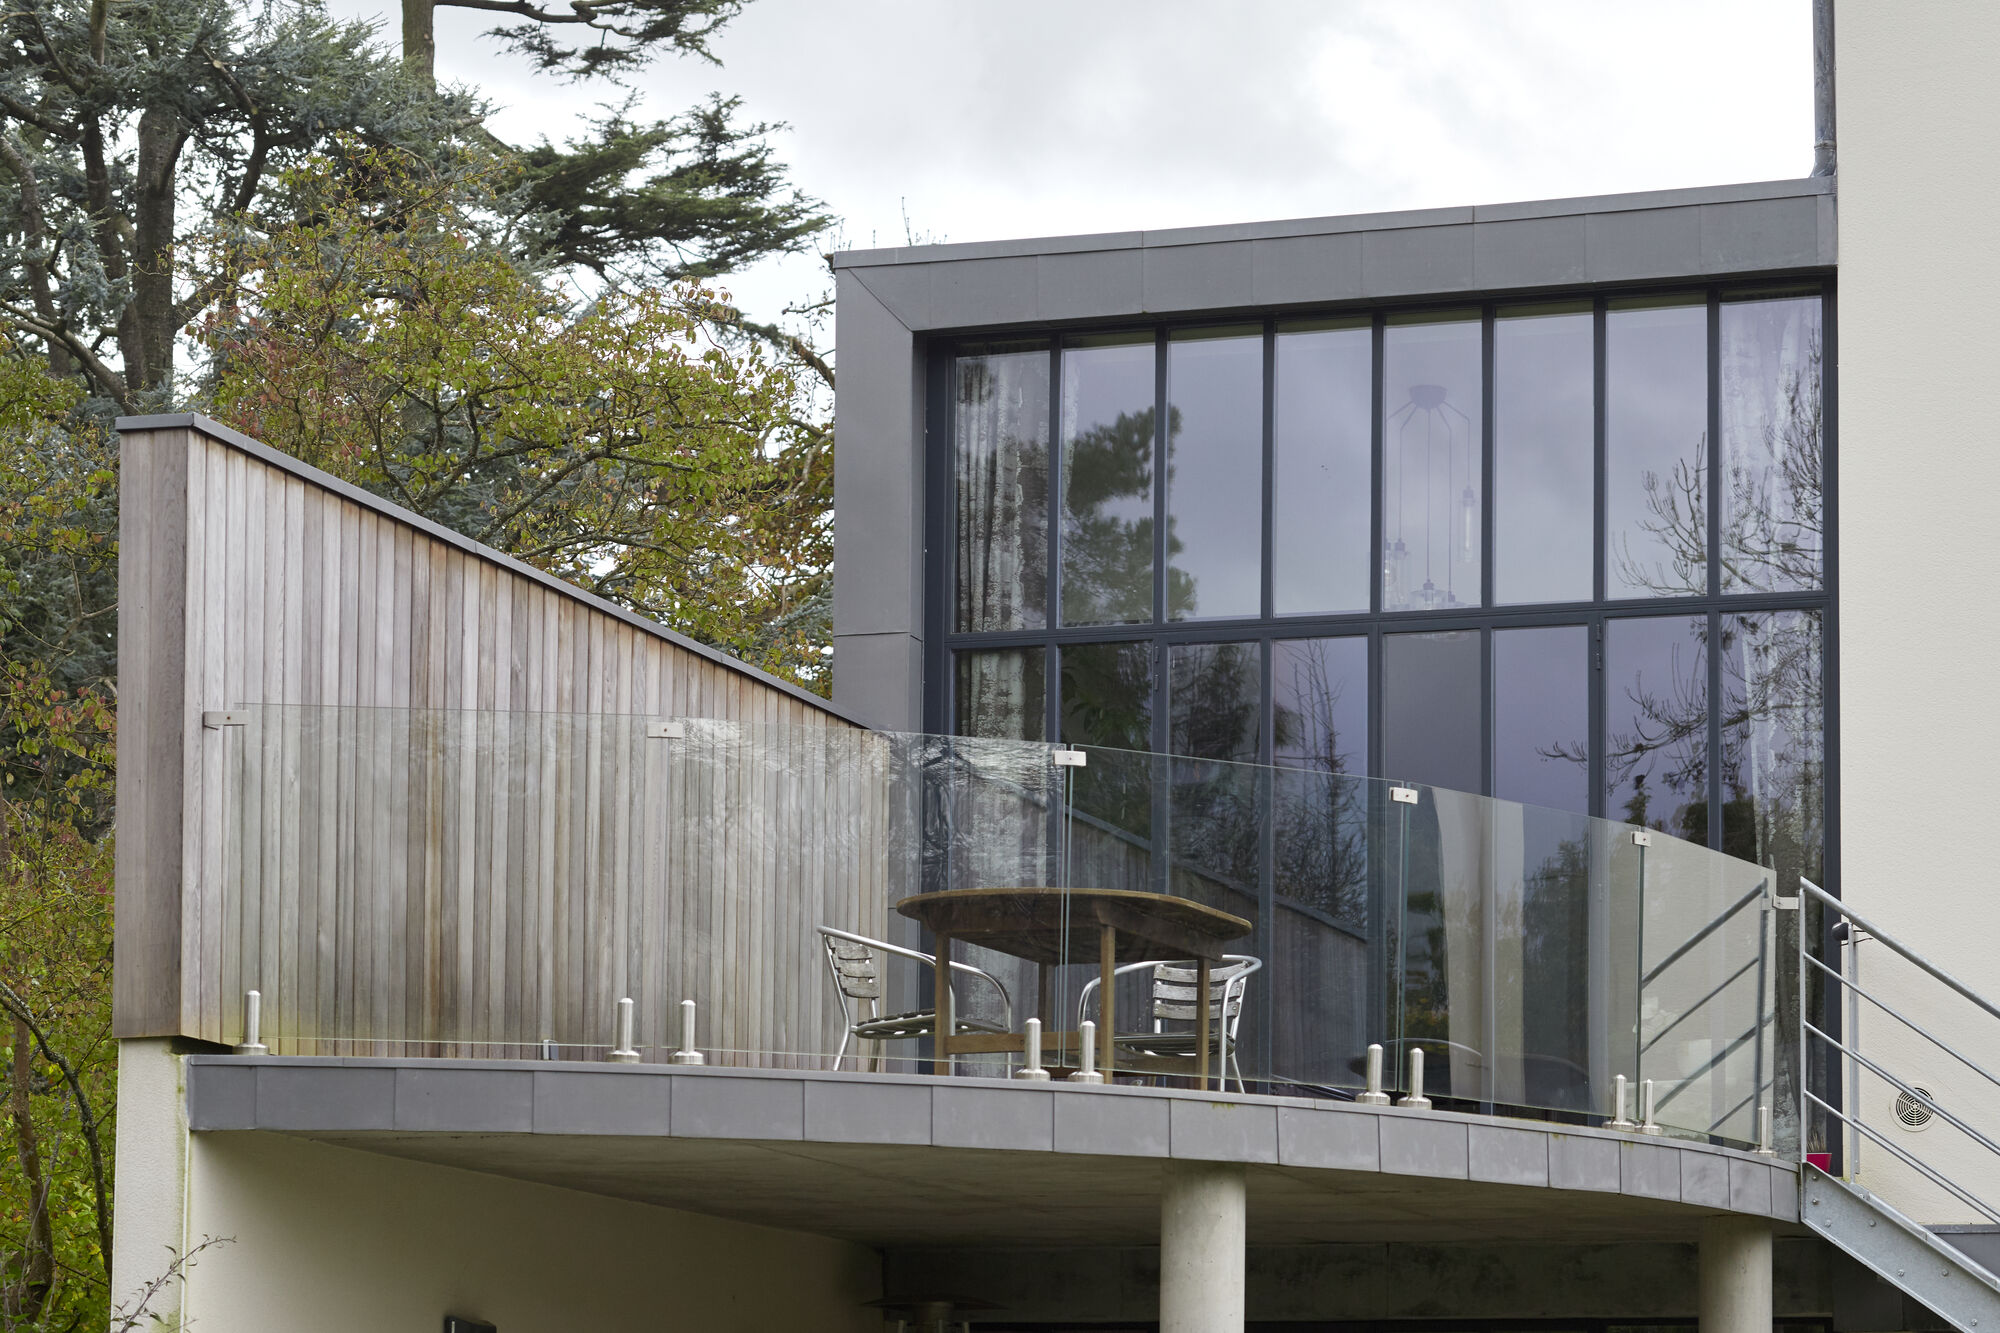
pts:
[126, 119]
[384, 334]
[691, 197]
[57, 599]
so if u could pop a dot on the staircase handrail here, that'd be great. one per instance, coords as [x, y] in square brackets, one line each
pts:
[1903, 950]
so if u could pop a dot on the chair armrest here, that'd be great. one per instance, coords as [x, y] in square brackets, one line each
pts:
[1006, 1000]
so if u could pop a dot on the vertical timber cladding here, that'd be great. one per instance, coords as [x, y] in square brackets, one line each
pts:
[440, 827]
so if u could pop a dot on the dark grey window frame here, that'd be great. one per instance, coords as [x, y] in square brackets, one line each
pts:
[943, 642]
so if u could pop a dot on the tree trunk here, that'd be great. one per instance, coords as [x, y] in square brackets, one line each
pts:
[22, 1300]
[420, 39]
[161, 135]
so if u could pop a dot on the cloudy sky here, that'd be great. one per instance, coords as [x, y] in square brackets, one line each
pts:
[1040, 117]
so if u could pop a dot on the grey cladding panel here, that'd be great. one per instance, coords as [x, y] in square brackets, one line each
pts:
[1008, 1118]
[1414, 1145]
[863, 1112]
[726, 1107]
[601, 1103]
[1223, 1131]
[1648, 243]
[1197, 277]
[878, 678]
[982, 291]
[1583, 1162]
[878, 469]
[1760, 234]
[325, 1097]
[1416, 261]
[491, 1101]
[1543, 252]
[904, 292]
[1295, 270]
[1094, 284]
[1508, 1156]
[1112, 1126]
[1346, 1142]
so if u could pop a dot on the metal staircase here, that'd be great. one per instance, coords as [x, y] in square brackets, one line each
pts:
[1888, 1058]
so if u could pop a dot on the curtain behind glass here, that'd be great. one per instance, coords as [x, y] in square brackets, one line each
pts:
[1001, 429]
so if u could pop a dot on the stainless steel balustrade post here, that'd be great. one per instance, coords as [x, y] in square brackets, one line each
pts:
[1416, 1101]
[1087, 1071]
[622, 1050]
[1031, 1053]
[1619, 1105]
[1647, 1125]
[253, 1037]
[687, 1054]
[1373, 1095]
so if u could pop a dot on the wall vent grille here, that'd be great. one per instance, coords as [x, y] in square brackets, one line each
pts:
[1914, 1112]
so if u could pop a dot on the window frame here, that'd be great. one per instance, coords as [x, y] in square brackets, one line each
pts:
[942, 641]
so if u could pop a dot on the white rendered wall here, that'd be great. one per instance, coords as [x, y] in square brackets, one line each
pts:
[331, 1240]
[1919, 512]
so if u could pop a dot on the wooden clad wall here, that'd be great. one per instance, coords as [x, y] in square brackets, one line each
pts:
[376, 891]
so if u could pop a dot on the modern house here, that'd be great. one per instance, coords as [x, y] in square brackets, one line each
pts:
[1419, 768]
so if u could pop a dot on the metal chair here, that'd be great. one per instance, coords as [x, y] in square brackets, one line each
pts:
[851, 960]
[1175, 1001]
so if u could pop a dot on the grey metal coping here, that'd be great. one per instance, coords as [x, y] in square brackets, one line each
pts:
[1344, 222]
[264, 453]
[355, 1098]
[1717, 232]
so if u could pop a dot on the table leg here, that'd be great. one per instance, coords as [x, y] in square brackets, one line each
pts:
[1201, 1023]
[945, 1026]
[1107, 988]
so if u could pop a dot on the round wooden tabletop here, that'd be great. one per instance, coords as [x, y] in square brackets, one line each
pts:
[1045, 925]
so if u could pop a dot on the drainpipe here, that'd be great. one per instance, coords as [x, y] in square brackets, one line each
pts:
[1822, 88]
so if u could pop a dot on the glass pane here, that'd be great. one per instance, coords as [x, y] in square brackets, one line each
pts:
[1430, 709]
[1431, 450]
[1319, 704]
[1215, 473]
[1214, 700]
[1656, 455]
[1107, 480]
[1321, 465]
[1319, 707]
[999, 695]
[1773, 743]
[1541, 717]
[1107, 700]
[1771, 432]
[1656, 724]
[1543, 457]
[1001, 437]
[1214, 694]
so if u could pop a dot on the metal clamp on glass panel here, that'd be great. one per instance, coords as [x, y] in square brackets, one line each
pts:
[1070, 758]
[1403, 795]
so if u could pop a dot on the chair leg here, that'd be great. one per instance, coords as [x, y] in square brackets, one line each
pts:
[846, 1036]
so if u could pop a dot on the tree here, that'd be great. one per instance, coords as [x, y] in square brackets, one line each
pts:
[56, 601]
[386, 332]
[616, 36]
[122, 117]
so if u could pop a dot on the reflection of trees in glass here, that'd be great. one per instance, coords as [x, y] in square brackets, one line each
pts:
[1772, 540]
[1772, 720]
[1108, 522]
[1773, 754]
[1107, 701]
[1215, 695]
[1002, 430]
[1319, 808]
[1773, 446]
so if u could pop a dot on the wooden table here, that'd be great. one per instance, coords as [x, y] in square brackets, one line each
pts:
[1055, 926]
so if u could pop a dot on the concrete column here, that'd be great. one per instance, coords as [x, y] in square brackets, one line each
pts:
[1201, 1248]
[150, 1164]
[1735, 1275]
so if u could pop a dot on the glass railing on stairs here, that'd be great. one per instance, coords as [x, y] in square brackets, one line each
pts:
[488, 884]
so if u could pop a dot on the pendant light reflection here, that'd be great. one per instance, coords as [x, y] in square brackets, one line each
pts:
[1430, 463]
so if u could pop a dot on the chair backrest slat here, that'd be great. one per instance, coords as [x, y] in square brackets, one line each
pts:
[855, 966]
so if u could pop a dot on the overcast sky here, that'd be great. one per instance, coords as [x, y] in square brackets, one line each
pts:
[1044, 117]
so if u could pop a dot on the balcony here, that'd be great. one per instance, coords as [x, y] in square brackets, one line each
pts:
[469, 885]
